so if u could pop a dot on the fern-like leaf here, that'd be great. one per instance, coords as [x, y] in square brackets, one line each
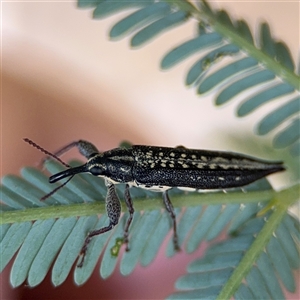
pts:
[60, 227]
[229, 60]
[216, 273]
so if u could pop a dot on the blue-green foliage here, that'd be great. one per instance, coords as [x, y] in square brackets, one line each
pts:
[40, 244]
[207, 276]
[219, 65]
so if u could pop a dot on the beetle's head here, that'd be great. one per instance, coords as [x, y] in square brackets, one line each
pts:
[94, 166]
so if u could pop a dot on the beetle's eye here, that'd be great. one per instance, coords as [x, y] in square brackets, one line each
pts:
[96, 170]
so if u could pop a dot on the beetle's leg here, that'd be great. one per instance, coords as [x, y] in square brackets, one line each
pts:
[129, 205]
[85, 148]
[170, 209]
[113, 209]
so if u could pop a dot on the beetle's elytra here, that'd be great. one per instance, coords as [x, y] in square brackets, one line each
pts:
[159, 169]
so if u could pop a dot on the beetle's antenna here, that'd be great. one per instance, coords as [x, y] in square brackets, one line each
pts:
[55, 190]
[30, 142]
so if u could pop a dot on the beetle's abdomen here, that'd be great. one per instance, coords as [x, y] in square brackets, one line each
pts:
[200, 169]
[199, 179]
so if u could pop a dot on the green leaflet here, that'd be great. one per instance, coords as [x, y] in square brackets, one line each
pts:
[288, 135]
[190, 47]
[206, 61]
[157, 27]
[139, 18]
[276, 117]
[106, 8]
[225, 74]
[268, 94]
[240, 85]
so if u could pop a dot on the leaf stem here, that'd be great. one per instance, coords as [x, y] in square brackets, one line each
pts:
[252, 254]
[190, 199]
[289, 195]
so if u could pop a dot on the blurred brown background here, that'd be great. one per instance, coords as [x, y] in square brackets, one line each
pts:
[62, 79]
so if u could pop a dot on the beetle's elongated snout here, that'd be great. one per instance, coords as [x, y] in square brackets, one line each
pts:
[68, 173]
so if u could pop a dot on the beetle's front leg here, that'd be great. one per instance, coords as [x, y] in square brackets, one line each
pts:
[113, 209]
[85, 148]
[170, 209]
[129, 205]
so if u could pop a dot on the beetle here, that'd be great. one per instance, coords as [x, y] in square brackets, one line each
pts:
[160, 169]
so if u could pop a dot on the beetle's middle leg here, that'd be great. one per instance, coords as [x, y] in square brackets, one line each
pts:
[129, 205]
[170, 209]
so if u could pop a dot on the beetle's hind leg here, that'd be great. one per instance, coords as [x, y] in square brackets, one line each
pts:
[170, 209]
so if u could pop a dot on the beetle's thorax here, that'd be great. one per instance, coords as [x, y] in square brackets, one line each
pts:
[116, 165]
